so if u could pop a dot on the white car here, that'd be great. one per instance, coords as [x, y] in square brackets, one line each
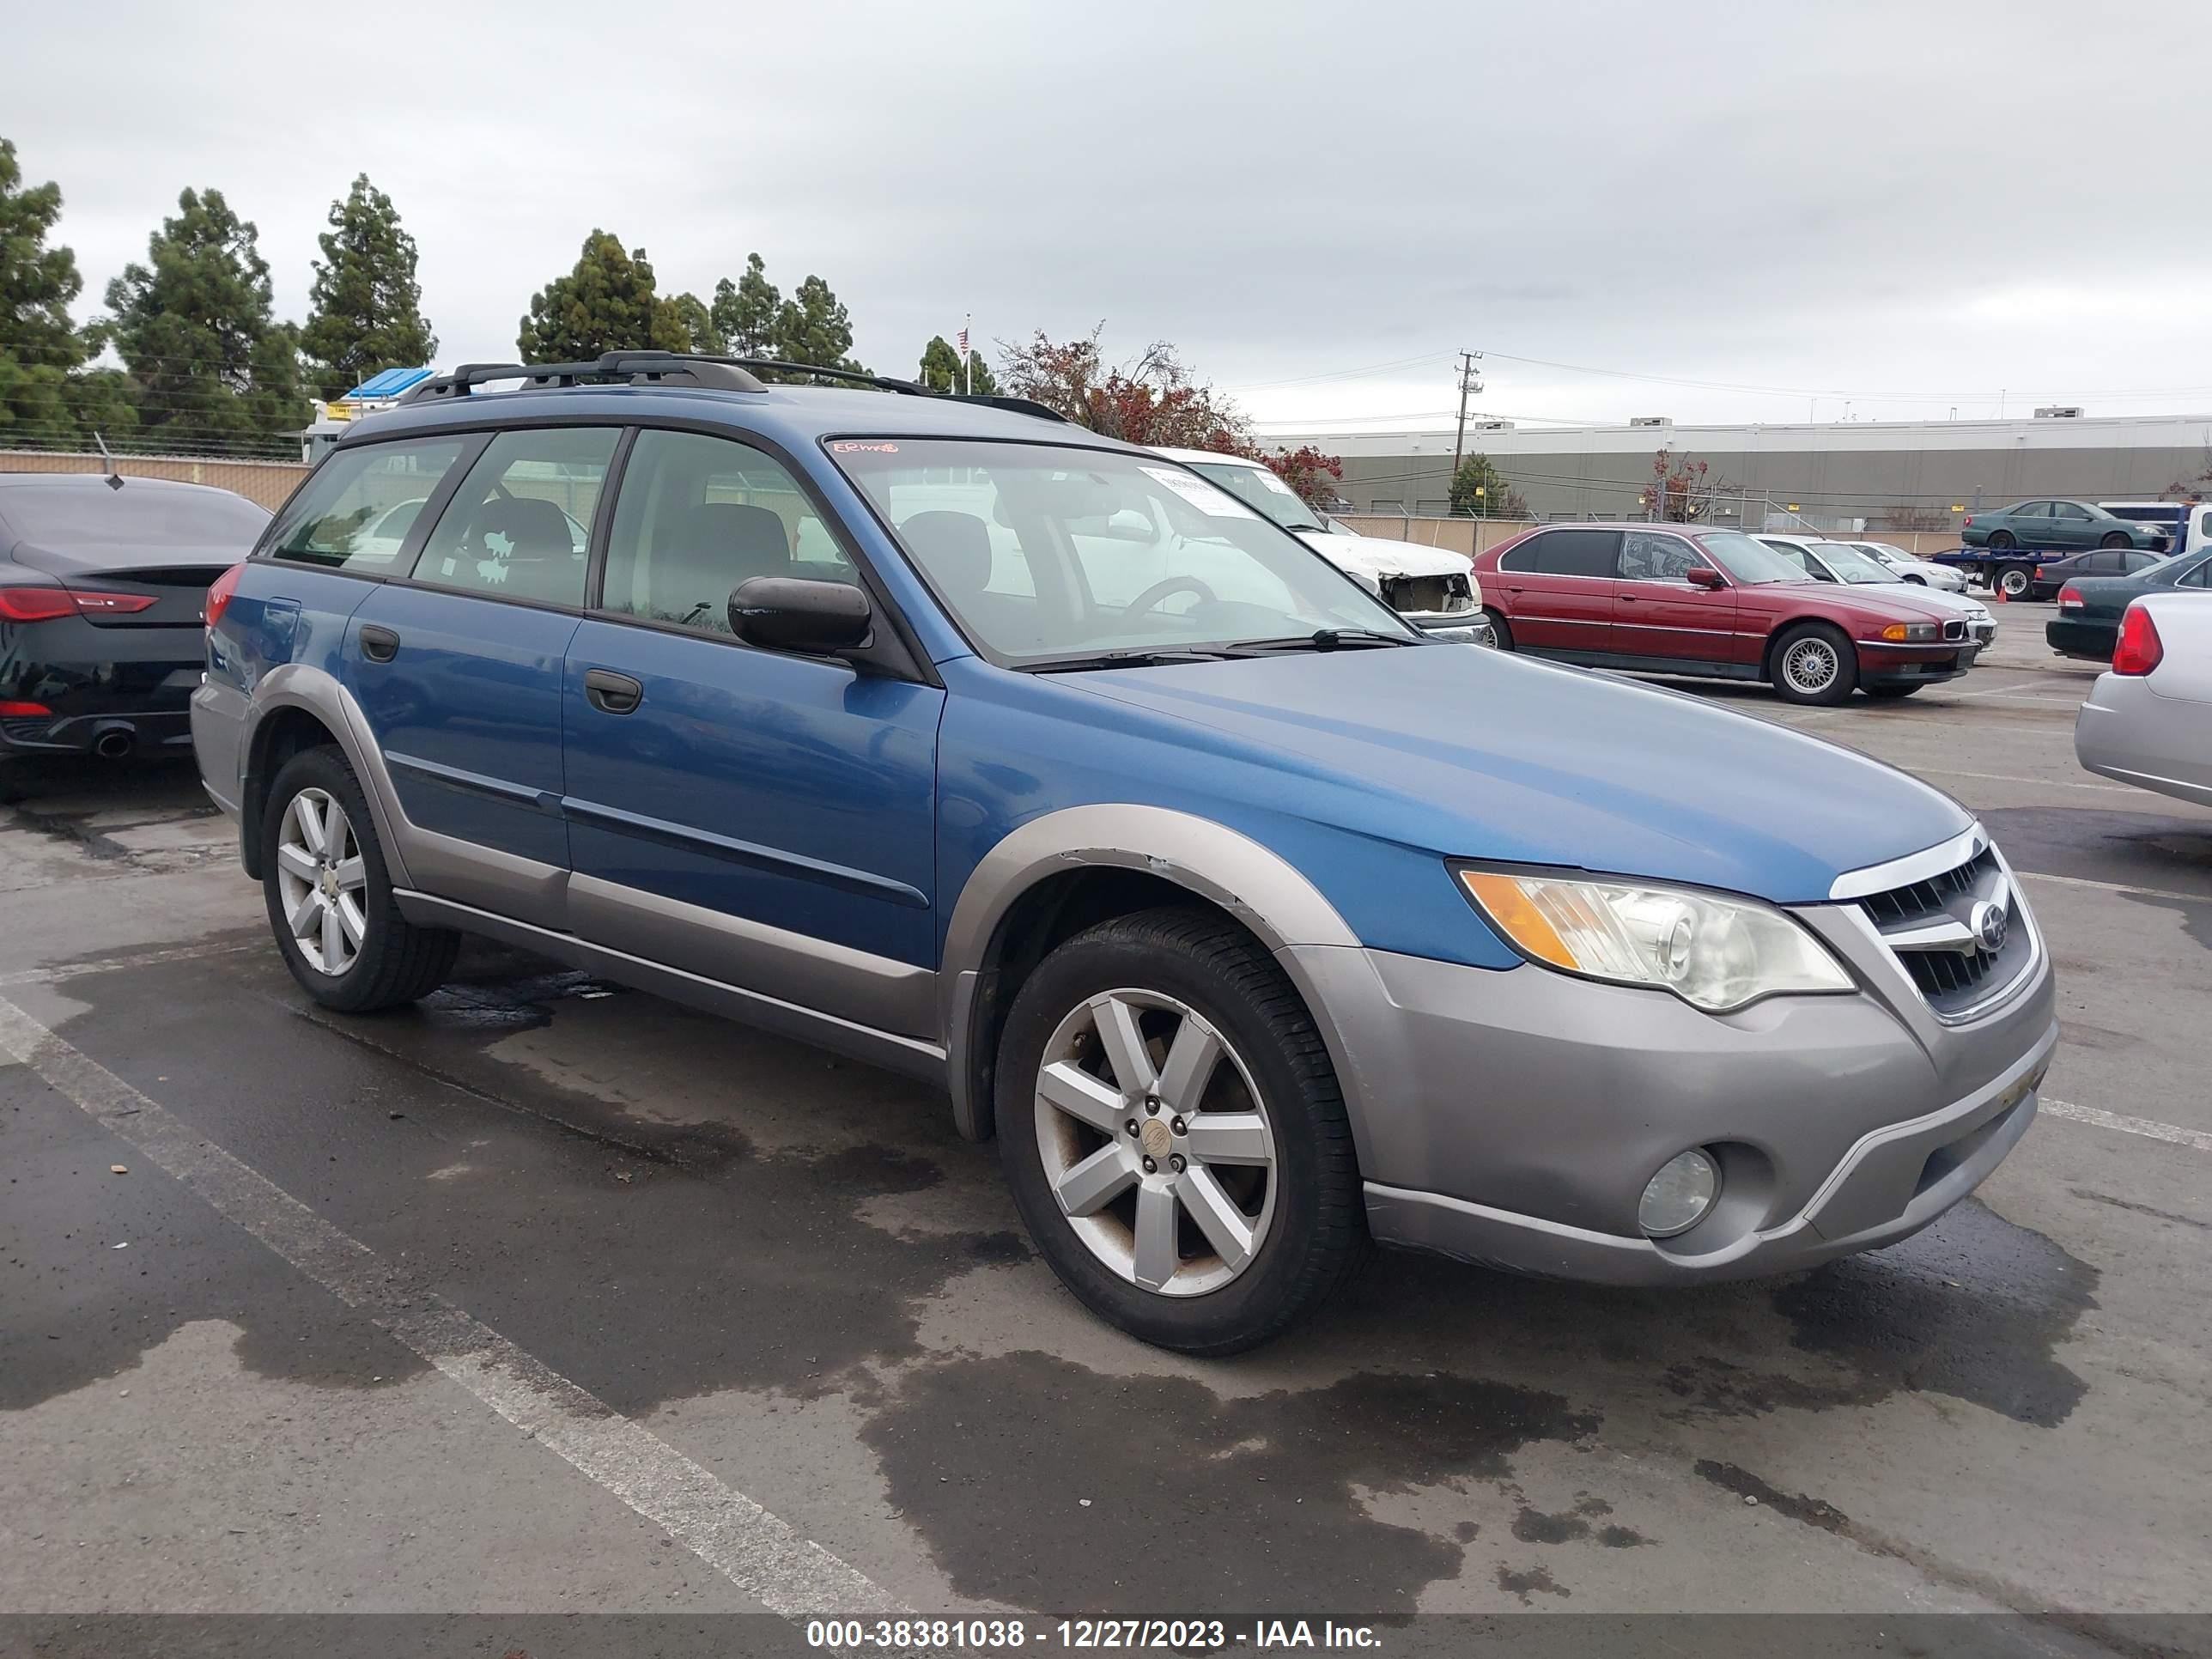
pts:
[2148, 722]
[1840, 561]
[1431, 587]
[1922, 573]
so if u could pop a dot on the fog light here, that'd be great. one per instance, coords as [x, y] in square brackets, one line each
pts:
[1679, 1196]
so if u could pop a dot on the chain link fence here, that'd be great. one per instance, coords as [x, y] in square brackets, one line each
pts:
[267, 482]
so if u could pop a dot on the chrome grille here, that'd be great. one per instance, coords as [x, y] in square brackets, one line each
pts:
[1931, 929]
[1955, 628]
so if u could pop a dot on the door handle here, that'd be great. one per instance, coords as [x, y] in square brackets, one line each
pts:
[378, 644]
[1627, 599]
[612, 693]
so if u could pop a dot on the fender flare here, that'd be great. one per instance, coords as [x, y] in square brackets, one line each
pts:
[1255, 884]
[316, 691]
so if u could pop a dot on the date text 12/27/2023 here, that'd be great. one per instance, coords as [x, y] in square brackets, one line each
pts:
[1083, 1634]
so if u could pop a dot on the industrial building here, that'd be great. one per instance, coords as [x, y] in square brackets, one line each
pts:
[1877, 475]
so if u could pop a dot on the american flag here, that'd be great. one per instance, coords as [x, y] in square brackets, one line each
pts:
[963, 339]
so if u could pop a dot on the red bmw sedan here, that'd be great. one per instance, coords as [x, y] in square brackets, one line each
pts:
[1686, 600]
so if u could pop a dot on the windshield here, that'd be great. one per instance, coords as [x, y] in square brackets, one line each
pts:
[1257, 486]
[1043, 553]
[1748, 560]
[1850, 565]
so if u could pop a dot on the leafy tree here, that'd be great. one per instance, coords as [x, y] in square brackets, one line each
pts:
[44, 396]
[1497, 500]
[1682, 490]
[1313, 476]
[744, 312]
[812, 326]
[607, 303]
[364, 308]
[1153, 399]
[194, 326]
[699, 325]
[941, 369]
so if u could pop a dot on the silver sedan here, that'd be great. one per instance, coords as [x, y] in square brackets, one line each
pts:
[1923, 573]
[2148, 722]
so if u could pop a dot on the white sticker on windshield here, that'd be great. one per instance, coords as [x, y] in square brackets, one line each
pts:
[1214, 502]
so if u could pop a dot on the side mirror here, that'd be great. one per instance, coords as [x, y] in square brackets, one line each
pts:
[816, 619]
[1704, 575]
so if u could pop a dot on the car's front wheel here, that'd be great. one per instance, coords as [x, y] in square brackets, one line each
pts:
[1174, 1135]
[2116, 538]
[1814, 663]
[1501, 631]
[330, 896]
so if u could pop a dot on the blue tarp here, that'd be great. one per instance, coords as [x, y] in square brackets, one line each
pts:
[389, 384]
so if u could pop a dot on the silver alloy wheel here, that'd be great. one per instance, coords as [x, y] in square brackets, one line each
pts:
[1156, 1141]
[322, 882]
[1811, 665]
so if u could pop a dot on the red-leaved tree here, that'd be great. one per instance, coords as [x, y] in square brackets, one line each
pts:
[1152, 399]
[1311, 474]
[1682, 490]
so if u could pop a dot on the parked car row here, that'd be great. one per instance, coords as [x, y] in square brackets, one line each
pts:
[1252, 921]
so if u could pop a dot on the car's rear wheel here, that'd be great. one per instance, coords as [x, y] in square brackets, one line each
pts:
[2115, 538]
[1813, 663]
[2003, 541]
[1501, 631]
[1174, 1135]
[1888, 693]
[330, 896]
[2014, 580]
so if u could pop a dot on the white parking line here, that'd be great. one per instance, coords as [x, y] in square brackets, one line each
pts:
[2007, 777]
[2115, 887]
[2150, 1127]
[754, 1549]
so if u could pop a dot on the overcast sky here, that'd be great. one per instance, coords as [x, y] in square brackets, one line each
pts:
[1764, 210]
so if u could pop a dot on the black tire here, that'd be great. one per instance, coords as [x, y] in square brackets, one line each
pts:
[2015, 581]
[397, 962]
[1888, 693]
[1839, 684]
[2001, 542]
[2117, 539]
[1918, 581]
[1318, 1230]
[1500, 628]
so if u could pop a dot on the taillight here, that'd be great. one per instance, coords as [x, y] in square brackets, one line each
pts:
[218, 594]
[1970, 517]
[23, 711]
[2070, 598]
[2140, 649]
[44, 604]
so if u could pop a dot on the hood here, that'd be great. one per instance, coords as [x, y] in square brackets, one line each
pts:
[1377, 556]
[1950, 605]
[1891, 601]
[1476, 754]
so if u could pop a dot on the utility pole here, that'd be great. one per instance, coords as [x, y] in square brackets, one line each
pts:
[1467, 384]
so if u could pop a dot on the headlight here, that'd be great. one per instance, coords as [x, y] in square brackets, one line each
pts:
[1714, 953]
[1912, 633]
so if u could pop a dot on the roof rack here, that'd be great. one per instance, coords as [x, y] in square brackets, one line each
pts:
[857, 376]
[645, 367]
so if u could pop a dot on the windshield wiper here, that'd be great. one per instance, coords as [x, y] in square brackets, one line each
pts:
[1153, 657]
[1326, 639]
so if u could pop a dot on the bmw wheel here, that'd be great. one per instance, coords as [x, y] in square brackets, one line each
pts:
[1813, 663]
[1174, 1135]
[330, 897]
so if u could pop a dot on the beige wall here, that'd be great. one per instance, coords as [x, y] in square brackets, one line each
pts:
[1472, 536]
[266, 482]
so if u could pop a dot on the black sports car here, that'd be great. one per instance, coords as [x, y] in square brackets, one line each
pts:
[101, 584]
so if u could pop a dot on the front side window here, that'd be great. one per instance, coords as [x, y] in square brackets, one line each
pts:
[1258, 486]
[344, 518]
[699, 516]
[1043, 553]
[1646, 557]
[519, 525]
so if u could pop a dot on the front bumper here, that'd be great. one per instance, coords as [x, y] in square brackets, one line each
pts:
[1512, 1118]
[1916, 665]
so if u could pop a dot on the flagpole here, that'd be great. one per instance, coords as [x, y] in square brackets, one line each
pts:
[967, 357]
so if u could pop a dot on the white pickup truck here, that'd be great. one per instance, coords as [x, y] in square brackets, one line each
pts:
[1431, 587]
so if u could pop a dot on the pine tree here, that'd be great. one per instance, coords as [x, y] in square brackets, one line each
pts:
[365, 311]
[744, 312]
[44, 395]
[195, 328]
[607, 303]
[699, 325]
[941, 369]
[813, 327]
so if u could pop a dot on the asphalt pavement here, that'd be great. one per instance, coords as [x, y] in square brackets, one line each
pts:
[548, 1296]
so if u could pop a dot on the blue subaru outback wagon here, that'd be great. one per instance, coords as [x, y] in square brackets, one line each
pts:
[1252, 923]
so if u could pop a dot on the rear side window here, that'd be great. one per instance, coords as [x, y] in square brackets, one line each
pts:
[519, 525]
[697, 517]
[2140, 562]
[2029, 510]
[343, 519]
[1565, 553]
